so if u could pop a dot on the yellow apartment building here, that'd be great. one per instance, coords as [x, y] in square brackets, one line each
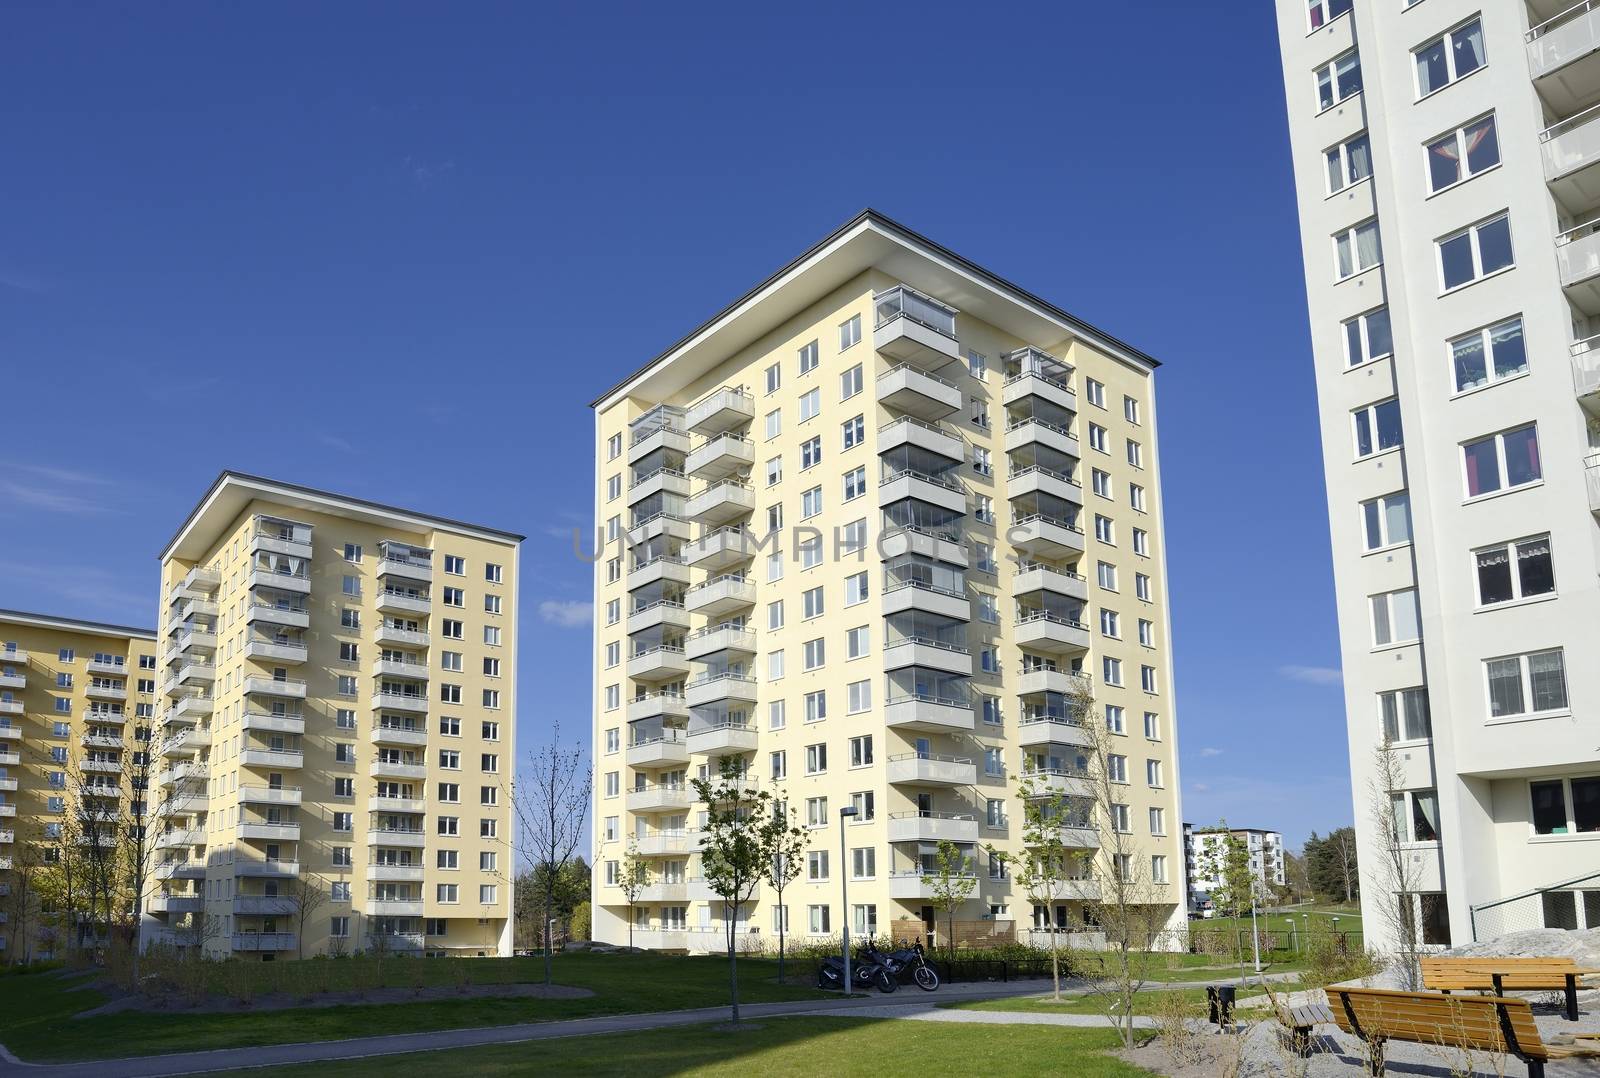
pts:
[864, 531]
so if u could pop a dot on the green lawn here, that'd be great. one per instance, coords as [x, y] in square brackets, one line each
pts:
[37, 1009]
[1185, 968]
[1316, 919]
[850, 1047]
[1084, 1003]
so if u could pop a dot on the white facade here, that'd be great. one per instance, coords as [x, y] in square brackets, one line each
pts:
[1478, 160]
[1266, 858]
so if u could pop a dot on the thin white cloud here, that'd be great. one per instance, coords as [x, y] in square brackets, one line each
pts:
[88, 589]
[1313, 675]
[333, 441]
[49, 499]
[1209, 751]
[567, 613]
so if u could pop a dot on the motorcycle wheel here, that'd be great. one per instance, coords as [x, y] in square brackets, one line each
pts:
[926, 979]
[886, 981]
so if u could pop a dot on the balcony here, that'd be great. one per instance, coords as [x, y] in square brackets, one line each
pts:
[13, 657]
[264, 905]
[669, 843]
[255, 756]
[671, 747]
[717, 639]
[721, 410]
[931, 713]
[117, 667]
[912, 886]
[103, 767]
[414, 736]
[1038, 374]
[664, 613]
[270, 651]
[8, 786]
[269, 867]
[282, 688]
[102, 741]
[914, 328]
[1564, 57]
[113, 692]
[181, 839]
[1045, 537]
[394, 769]
[269, 832]
[394, 873]
[297, 583]
[289, 538]
[405, 838]
[177, 904]
[404, 565]
[8, 758]
[1041, 680]
[394, 634]
[401, 668]
[10, 707]
[660, 481]
[720, 739]
[181, 870]
[394, 907]
[665, 891]
[198, 583]
[1039, 432]
[1591, 472]
[935, 490]
[1052, 731]
[1079, 837]
[1059, 782]
[1586, 374]
[657, 663]
[1038, 577]
[1051, 633]
[721, 502]
[720, 595]
[926, 769]
[656, 525]
[666, 568]
[917, 393]
[263, 941]
[908, 430]
[188, 709]
[932, 827]
[658, 705]
[719, 549]
[403, 601]
[1041, 480]
[258, 613]
[658, 798]
[926, 652]
[386, 700]
[668, 438]
[13, 681]
[1578, 258]
[721, 456]
[269, 795]
[714, 688]
[405, 805]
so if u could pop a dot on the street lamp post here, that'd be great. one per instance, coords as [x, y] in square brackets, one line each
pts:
[844, 894]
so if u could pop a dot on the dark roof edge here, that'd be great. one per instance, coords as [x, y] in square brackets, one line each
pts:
[88, 626]
[869, 214]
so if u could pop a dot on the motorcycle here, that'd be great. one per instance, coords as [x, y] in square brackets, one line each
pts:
[912, 959]
[866, 971]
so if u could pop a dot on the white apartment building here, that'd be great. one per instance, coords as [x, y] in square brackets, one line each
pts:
[1447, 160]
[1206, 853]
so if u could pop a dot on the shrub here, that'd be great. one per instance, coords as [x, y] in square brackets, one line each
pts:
[1176, 1016]
[581, 923]
[1330, 961]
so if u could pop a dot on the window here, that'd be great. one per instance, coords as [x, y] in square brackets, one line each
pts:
[775, 665]
[980, 413]
[1094, 392]
[1147, 633]
[990, 710]
[1475, 252]
[1097, 437]
[982, 460]
[1377, 428]
[1100, 482]
[865, 804]
[1141, 542]
[774, 566]
[1103, 530]
[1325, 11]
[1367, 337]
[455, 630]
[449, 792]
[613, 488]
[977, 366]
[1421, 822]
[1450, 57]
[490, 731]
[344, 787]
[816, 812]
[447, 859]
[447, 892]
[1106, 575]
[1463, 153]
[983, 508]
[774, 423]
[1502, 461]
[811, 503]
[451, 825]
[456, 565]
[1152, 773]
[808, 358]
[1395, 619]
[1386, 521]
[1566, 807]
[857, 642]
[810, 405]
[492, 573]
[852, 539]
[850, 382]
[858, 698]
[814, 653]
[776, 717]
[774, 377]
[1111, 670]
[861, 748]
[855, 483]
[817, 920]
[816, 705]
[1518, 570]
[613, 740]
[1488, 355]
[1348, 163]
[1116, 718]
[450, 727]
[863, 863]
[849, 332]
[1357, 249]
[1110, 623]
[613, 612]
[343, 821]
[811, 601]
[855, 589]
[614, 447]
[816, 759]
[810, 452]
[1339, 79]
[491, 604]
[983, 557]
[1527, 684]
[1130, 409]
[854, 430]
[1147, 679]
[774, 470]
[1405, 715]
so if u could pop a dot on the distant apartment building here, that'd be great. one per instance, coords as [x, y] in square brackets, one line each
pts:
[1447, 159]
[1006, 454]
[77, 704]
[337, 712]
[1207, 849]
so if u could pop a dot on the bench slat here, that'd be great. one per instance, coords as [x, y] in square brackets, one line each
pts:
[1467, 1021]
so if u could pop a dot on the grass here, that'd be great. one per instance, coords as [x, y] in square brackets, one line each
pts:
[1081, 1003]
[1317, 918]
[848, 1047]
[38, 1024]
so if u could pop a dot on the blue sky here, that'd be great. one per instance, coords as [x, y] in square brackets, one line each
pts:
[411, 242]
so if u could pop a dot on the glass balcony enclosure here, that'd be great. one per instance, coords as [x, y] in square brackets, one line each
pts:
[1038, 504]
[1044, 457]
[1056, 607]
[1048, 706]
[661, 417]
[914, 570]
[910, 514]
[903, 302]
[657, 592]
[918, 462]
[664, 502]
[1040, 411]
[921, 683]
[917, 626]
[1040, 364]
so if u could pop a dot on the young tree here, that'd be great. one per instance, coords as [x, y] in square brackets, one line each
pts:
[1227, 861]
[635, 876]
[951, 883]
[733, 850]
[20, 903]
[1047, 872]
[552, 802]
[1343, 844]
[787, 843]
[1397, 875]
[308, 895]
[139, 825]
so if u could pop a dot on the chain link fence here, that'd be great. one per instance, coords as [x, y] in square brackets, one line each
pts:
[1572, 904]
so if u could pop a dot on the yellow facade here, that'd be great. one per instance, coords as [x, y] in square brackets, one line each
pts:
[1007, 457]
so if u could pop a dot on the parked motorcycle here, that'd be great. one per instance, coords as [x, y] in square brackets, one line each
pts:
[913, 962]
[867, 970]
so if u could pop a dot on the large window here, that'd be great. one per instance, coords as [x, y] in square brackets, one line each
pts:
[1463, 153]
[1447, 58]
[1367, 336]
[1349, 163]
[1502, 461]
[1488, 355]
[1325, 11]
[1386, 521]
[1405, 715]
[1394, 617]
[1475, 252]
[1566, 806]
[1416, 816]
[1339, 79]
[1377, 428]
[1357, 249]
[1518, 570]
[1531, 684]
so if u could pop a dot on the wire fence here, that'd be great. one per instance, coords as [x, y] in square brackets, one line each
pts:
[1571, 904]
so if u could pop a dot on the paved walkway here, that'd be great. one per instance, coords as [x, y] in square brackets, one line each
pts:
[908, 1003]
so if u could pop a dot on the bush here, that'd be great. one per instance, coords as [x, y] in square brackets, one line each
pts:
[1330, 961]
[581, 925]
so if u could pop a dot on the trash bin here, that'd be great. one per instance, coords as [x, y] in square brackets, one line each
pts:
[1219, 999]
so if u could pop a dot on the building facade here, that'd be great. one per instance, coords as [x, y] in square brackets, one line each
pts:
[1445, 158]
[337, 719]
[863, 532]
[1205, 850]
[77, 708]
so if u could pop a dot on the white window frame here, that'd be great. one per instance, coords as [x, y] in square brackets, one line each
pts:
[1352, 236]
[1459, 136]
[1382, 505]
[1337, 160]
[1474, 232]
[1362, 324]
[1447, 41]
[1331, 70]
[1388, 600]
[1485, 338]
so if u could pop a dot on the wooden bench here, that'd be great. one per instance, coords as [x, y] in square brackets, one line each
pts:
[1502, 975]
[1300, 1020]
[1478, 1023]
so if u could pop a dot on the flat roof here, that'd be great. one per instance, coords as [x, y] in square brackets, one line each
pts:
[97, 628]
[860, 243]
[232, 491]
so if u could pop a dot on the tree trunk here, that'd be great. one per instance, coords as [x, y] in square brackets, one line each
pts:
[630, 926]
[782, 924]
[1055, 964]
[733, 959]
[549, 942]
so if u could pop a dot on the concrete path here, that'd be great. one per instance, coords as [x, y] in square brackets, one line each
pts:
[908, 1002]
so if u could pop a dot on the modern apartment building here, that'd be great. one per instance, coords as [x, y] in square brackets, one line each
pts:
[1205, 852]
[338, 714]
[1447, 159]
[864, 531]
[77, 702]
